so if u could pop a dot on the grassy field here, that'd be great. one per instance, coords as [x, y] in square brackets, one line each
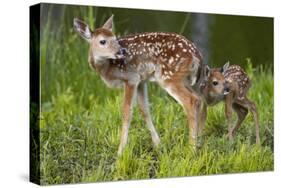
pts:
[80, 131]
[81, 121]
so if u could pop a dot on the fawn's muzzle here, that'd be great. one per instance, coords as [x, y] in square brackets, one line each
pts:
[226, 90]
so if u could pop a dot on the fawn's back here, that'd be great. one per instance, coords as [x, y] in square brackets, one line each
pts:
[167, 54]
[238, 81]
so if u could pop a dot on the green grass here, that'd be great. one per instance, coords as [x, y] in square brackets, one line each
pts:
[81, 121]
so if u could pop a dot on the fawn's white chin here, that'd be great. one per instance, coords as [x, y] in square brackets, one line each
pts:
[100, 58]
[119, 56]
[225, 93]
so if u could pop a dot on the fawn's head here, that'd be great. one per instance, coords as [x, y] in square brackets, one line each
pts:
[214, 86]
[103, 42]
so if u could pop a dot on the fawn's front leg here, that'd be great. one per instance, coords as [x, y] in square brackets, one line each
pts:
[241, 115]
[144, 108]
[128, 100]
[228, 114]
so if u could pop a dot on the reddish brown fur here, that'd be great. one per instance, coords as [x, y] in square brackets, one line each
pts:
[172, 51]
[102, 31]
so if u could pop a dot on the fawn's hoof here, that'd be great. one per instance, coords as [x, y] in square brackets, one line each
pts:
[229, 136]
[120, 150]
[156, 141]
[119, 153]
[258, 142]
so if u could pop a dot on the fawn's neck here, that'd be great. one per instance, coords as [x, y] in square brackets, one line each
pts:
[99, 64]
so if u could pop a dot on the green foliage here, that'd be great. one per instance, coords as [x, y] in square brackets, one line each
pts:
[81, 120]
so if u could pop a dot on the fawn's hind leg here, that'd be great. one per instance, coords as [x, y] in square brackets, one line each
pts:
[144, 108]
[252, 107]
[191, 104]
[129, 93]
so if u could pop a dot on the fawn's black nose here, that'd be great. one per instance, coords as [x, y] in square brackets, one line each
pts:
[227, 89]
[121, 53]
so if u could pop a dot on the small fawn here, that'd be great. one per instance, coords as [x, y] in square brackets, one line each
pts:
[168, 59]
[231, 84]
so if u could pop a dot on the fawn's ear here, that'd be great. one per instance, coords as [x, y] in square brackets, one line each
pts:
[206, 70]
[225, 67]
[82, 29]
[108, 24]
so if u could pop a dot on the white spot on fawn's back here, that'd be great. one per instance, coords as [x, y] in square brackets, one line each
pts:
[171, 60]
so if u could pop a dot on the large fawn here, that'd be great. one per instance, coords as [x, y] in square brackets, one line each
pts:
[231, 84]
[168, 59]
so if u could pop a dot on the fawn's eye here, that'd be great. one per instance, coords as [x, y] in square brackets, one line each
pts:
[102, 42]
[215, 83]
